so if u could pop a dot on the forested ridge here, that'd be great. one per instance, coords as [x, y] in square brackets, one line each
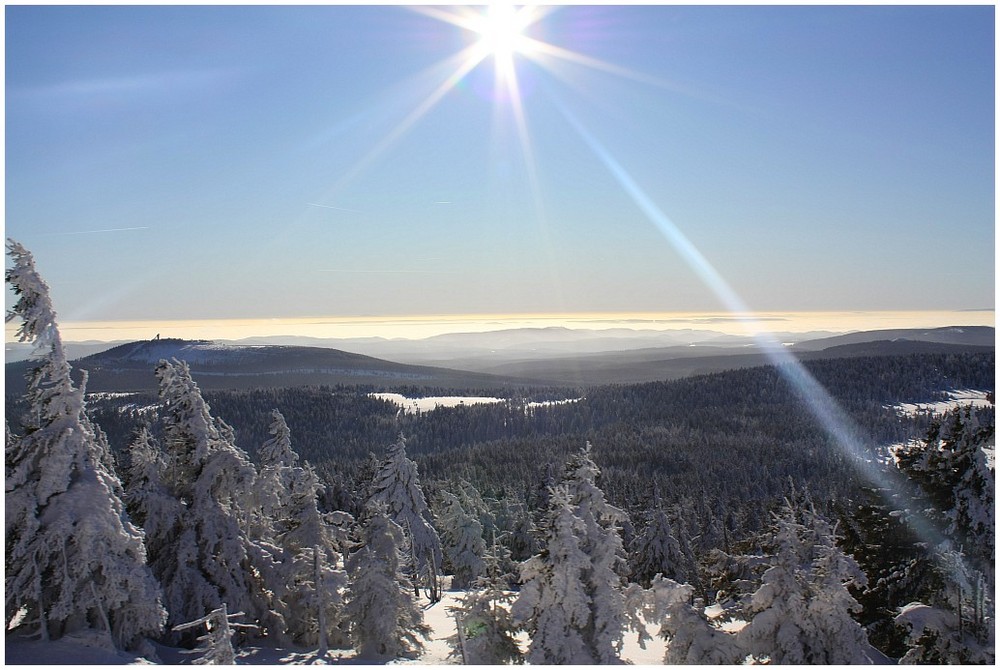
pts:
[725, 446]
[737, 434]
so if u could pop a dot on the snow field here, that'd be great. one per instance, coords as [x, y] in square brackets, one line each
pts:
[959, 398]
[414, 405]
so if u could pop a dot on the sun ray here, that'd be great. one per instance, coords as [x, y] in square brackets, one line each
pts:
[537, 50]
[531, 168]
[465, 20]
[834, 421]
[499, 33]
[680, 242]
[465, 61]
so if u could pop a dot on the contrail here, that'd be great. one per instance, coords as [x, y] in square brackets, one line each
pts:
[105, 230]
[339, 209]
[393, 272]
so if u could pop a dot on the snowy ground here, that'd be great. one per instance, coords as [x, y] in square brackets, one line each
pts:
[414, 405]
[88, 651]
[69, 650]
[957, 398]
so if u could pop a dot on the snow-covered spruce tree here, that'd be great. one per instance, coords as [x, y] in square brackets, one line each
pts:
[691, 637]
[516, 529]
[397, 487]
[656, 550]
[212, 558]
[801, 613]
[277, 450]
[951, 469]
[270, 490]
[74, 560]
[462, 537]
[485, 631]
[285, 520]
[602, 544]
[954, 620]
[314, 584]
[384, 621]
[314, 601]
[554, 605]
[150, 503]
[215, 647]
[481, 509]
[958, 627]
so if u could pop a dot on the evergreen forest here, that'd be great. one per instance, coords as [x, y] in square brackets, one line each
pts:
[724, 509]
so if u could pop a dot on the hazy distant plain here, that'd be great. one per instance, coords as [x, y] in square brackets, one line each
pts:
[417, 327]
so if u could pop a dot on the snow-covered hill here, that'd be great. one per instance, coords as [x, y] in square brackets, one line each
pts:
[216, 365]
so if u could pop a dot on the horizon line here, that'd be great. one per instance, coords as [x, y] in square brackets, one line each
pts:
[414, 326]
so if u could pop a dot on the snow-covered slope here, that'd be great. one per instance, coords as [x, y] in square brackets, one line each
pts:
[957, 398]
[438, 616]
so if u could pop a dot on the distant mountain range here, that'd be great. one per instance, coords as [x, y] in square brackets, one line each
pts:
[495, 360]
[674, 363]
[528, 343]
[983, 336]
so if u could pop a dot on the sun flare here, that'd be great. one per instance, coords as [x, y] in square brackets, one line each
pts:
[501, 30]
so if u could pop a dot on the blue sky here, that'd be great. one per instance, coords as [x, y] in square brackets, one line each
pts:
[236, 160]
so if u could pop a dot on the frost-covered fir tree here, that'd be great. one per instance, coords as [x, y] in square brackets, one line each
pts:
[462, 537]
[951, 469]
[958, 627]
[314, 583]
[215, 646]
[314, 601]
[801, 613]
[691, 637]
[397, 487]
[516, 529]
[385, 623]
[485, 631]
[602, 544]
[277, 459]
[554, 605]
[285, 513]
[74, 560]
[277, 450]
[480, 508]
[150, 503]
[212, 558]
[953, 621]
[656, 550]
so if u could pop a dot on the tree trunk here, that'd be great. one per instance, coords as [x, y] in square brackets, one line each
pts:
[320, 601]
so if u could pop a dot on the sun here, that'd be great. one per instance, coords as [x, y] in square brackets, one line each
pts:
[501, 30]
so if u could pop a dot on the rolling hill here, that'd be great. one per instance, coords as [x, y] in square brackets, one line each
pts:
[628, 365]
[665, 364]
[483, 362]
[129, 367]
[984, 336]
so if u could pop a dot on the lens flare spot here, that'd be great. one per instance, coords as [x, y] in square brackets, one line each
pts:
[501, 30]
